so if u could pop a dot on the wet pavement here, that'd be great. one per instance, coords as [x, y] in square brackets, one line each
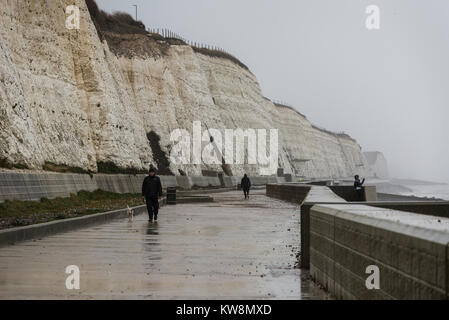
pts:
[228, 249]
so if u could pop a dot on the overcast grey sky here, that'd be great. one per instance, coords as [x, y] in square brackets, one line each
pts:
[387, 88]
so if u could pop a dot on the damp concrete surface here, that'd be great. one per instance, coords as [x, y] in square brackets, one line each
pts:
[228, 249]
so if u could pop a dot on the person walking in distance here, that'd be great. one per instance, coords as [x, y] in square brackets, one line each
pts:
[358, 186]
[246, 185]
[152, 193]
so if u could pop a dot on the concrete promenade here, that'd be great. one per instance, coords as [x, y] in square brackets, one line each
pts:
[229, 249]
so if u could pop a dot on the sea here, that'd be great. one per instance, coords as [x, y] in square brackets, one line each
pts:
[415, 188]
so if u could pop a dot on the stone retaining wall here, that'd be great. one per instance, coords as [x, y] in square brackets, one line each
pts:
[346, 239]
[431, 208]
[34, 186]
[340, 239]
[295, 193]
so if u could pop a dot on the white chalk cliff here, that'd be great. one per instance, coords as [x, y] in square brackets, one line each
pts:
[378, 164]
[76, 98]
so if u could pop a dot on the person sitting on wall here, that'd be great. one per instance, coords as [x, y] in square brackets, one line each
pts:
[246, 185]
[152, 193]
[358, 186]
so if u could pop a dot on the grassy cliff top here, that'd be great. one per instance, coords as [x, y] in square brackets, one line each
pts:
[119, 27]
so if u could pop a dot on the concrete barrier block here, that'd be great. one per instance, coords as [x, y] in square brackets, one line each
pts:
[323, 258]
[126, 184]
[69, 183]
[129, 184]
[345, 284]
[351, 286]
[228, 182]
[413, 261]
[112, 184]
[14, 193]
[168, 181]
[262, 180]
[281, 180]
[135, 184]
[321, 248]
[2, 179]
[103, 182]
[57, 191]
[39, 190]
[91, 183]
[100, 181]
[355, 236]
[117, 182]
[85, 182]
[271, 179]
[370, 193]
[138, 181]
[348, 193]
[184, 182]
[13, 187]
[322, 222]
[55, 187]
[204, 182]
[319, 271]
[129, 188]
[13, 179]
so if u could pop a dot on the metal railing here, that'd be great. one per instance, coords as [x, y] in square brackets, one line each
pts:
[168, 34]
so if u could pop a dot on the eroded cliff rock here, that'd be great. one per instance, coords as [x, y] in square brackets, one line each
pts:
[378, 164]
[83, 98]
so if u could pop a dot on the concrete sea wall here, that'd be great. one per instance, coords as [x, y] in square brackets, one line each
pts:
[295, 193]
[345, 240]
[305, 195]
[407, 241]
[34, 186]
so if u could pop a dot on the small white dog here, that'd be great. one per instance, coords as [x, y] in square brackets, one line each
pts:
[130, 214]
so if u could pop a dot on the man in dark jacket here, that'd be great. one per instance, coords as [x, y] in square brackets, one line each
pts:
[358, 186]
[246, 185]
[152, 193]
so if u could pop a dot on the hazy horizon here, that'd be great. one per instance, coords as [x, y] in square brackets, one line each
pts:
[387, 88]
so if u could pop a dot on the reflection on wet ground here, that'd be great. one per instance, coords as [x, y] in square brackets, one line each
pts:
[229, 249]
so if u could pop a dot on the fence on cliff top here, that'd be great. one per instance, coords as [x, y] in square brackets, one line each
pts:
[167, 33]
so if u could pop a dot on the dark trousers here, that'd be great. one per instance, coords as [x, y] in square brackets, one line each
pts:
[152, 207]
[360, 195]
[246, 193]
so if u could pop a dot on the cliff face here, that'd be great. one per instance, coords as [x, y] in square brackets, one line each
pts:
[378, 164]
[69, 97]
[314, 152]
